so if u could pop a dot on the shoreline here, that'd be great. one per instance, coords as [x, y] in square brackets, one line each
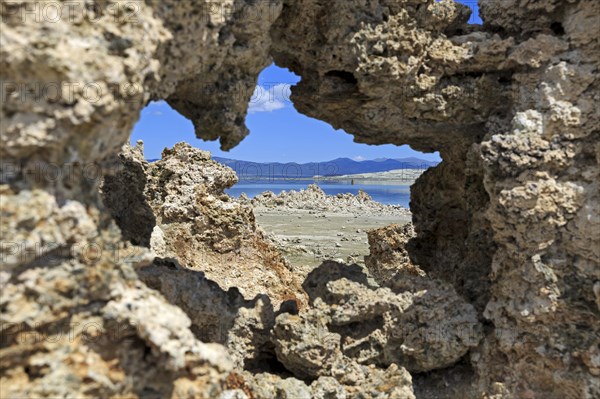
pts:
[400, 177]
[334, 179]
[406, 176]
[307, 238]
[309, 227]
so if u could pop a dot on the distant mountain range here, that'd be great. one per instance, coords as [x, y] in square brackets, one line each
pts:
[336, 167]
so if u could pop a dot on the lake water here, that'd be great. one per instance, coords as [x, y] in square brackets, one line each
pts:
[389, 193]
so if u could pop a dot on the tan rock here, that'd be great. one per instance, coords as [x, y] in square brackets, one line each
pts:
[508, 222]
[178, 204]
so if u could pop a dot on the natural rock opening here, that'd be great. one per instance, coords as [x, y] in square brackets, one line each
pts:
[316, 226]
[509, 104]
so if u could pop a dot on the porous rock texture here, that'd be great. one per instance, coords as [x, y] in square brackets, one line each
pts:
[511, 216]
[76, 319]
[508, 224]
[177, 207]
[422, 325]
[388, 255]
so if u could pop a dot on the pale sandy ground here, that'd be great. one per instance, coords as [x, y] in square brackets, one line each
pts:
[400, 176]
[309, 237]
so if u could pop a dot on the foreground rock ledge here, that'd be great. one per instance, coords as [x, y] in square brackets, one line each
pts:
[510, 219]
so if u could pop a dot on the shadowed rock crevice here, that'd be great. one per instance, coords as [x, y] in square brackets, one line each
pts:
[453, 239]
[217, 316]
[123, 193]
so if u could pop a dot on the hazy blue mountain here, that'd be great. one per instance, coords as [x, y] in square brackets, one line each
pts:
[336, 167]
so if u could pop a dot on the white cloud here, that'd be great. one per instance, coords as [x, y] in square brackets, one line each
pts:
[359, 158]
[157, 108]
[265, 106]
[269, 98]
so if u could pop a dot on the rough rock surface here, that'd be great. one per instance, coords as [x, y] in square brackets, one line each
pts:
[418, 323]
[76, 319]
[77, 322]
[351, 381]
[216, 315]
[388, 255]
[179, 206]
[510, 218]
[313, 198]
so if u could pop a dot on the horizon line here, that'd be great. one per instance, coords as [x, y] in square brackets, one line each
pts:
[300, 162]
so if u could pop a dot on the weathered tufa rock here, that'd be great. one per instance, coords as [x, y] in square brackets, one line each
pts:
[225, 317]
[76, 321]
[388, 255]
[188, 217]
[314, 198]
[350, 380]
[304, 344]
[419, 324]
[510, 219]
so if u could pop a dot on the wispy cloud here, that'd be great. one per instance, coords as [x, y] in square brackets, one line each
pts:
[157, 108]
[359, 158]
[269, 98]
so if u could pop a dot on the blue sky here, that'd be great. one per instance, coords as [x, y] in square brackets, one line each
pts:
[278, 133]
